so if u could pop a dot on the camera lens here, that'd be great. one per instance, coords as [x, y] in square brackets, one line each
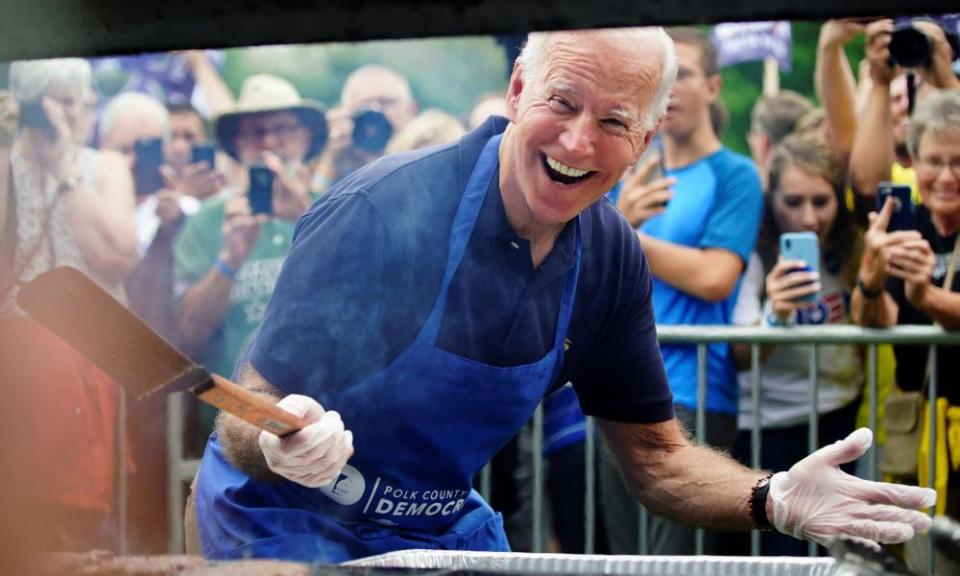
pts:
[371, 131]
[909, 47]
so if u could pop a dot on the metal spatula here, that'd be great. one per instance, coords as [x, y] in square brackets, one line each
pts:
[91, 321]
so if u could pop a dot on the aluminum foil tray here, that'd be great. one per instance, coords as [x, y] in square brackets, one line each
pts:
[569, 564]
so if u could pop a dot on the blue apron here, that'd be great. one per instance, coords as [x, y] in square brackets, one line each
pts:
[423, 427]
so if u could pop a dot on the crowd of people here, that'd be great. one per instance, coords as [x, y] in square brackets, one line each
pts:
[296, 255]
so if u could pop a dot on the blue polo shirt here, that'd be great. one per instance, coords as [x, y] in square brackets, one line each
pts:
[717, 203]
[367, 261]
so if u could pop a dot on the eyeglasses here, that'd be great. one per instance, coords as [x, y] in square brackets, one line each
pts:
[933, 165]
[258, 133]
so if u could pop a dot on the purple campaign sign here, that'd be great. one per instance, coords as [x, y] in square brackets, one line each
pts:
[165, 76]
[738, 42]
[949, 22]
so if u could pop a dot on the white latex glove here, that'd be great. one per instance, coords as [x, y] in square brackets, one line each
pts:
[817, 501]
[313, 456]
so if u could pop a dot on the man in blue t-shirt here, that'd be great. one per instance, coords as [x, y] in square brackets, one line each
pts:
[433, 298]
[697, 245]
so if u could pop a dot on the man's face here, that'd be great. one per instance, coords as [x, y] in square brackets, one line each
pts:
[277, 132]
[692, 93]
[576, 128]
[126, 131]
[186, 129]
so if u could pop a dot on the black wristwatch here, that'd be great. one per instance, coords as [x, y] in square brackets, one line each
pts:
[758, 503]
[867, 293]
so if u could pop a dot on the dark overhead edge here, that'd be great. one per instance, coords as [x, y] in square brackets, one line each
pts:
[46, 28]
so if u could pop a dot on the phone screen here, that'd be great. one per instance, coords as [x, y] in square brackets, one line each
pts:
[203, 153]
[802, 246]
[148, 157]
[902, 217]
[33, 115]
[260, 192]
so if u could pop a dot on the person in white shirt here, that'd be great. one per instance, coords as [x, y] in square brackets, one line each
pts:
[804, 194]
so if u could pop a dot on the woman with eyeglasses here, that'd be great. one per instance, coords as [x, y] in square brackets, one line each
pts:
[903, 272]
[804, 194]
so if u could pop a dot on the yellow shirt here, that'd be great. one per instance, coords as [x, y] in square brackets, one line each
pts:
[902, 175]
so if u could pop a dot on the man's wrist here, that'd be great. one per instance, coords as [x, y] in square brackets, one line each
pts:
[760, 508]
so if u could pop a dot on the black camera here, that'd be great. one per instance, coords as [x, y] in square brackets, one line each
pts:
[909, 47]
[371, 131]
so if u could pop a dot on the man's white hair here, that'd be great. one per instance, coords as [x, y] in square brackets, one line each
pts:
[533, 59]
[132, 104]
[376, 73]
[31, 80]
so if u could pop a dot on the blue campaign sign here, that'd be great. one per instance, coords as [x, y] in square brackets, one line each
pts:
[738, 42]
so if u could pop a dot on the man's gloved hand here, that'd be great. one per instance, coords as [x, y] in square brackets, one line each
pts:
[817, 501]
[315, 455]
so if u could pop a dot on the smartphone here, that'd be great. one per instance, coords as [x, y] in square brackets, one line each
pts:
[33, 115]
[148, 158]
[203, 153]
[902, 217]
[802, 246]
[659, 169]
[260, 191]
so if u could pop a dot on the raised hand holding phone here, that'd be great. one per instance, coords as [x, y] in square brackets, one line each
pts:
[646, 190]
[291, 186]
[148, 160]
[902, 213]
[241, 228]
[200, 178]
[794, 282]
[260, 190]
[789, 285]
[55, 148]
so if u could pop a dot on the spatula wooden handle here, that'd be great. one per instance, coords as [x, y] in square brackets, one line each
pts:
[248, 406]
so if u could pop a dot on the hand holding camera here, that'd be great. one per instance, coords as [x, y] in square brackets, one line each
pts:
[877, 42]
[930, 46]
[646, 191]
[838, 32]
[920, 44]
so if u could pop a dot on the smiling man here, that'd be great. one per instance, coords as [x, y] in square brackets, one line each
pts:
[432, 298]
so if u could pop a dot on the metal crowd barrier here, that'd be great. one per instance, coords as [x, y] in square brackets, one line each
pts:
[182, 470]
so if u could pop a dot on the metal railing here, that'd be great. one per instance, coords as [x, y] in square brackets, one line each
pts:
[182, 470]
